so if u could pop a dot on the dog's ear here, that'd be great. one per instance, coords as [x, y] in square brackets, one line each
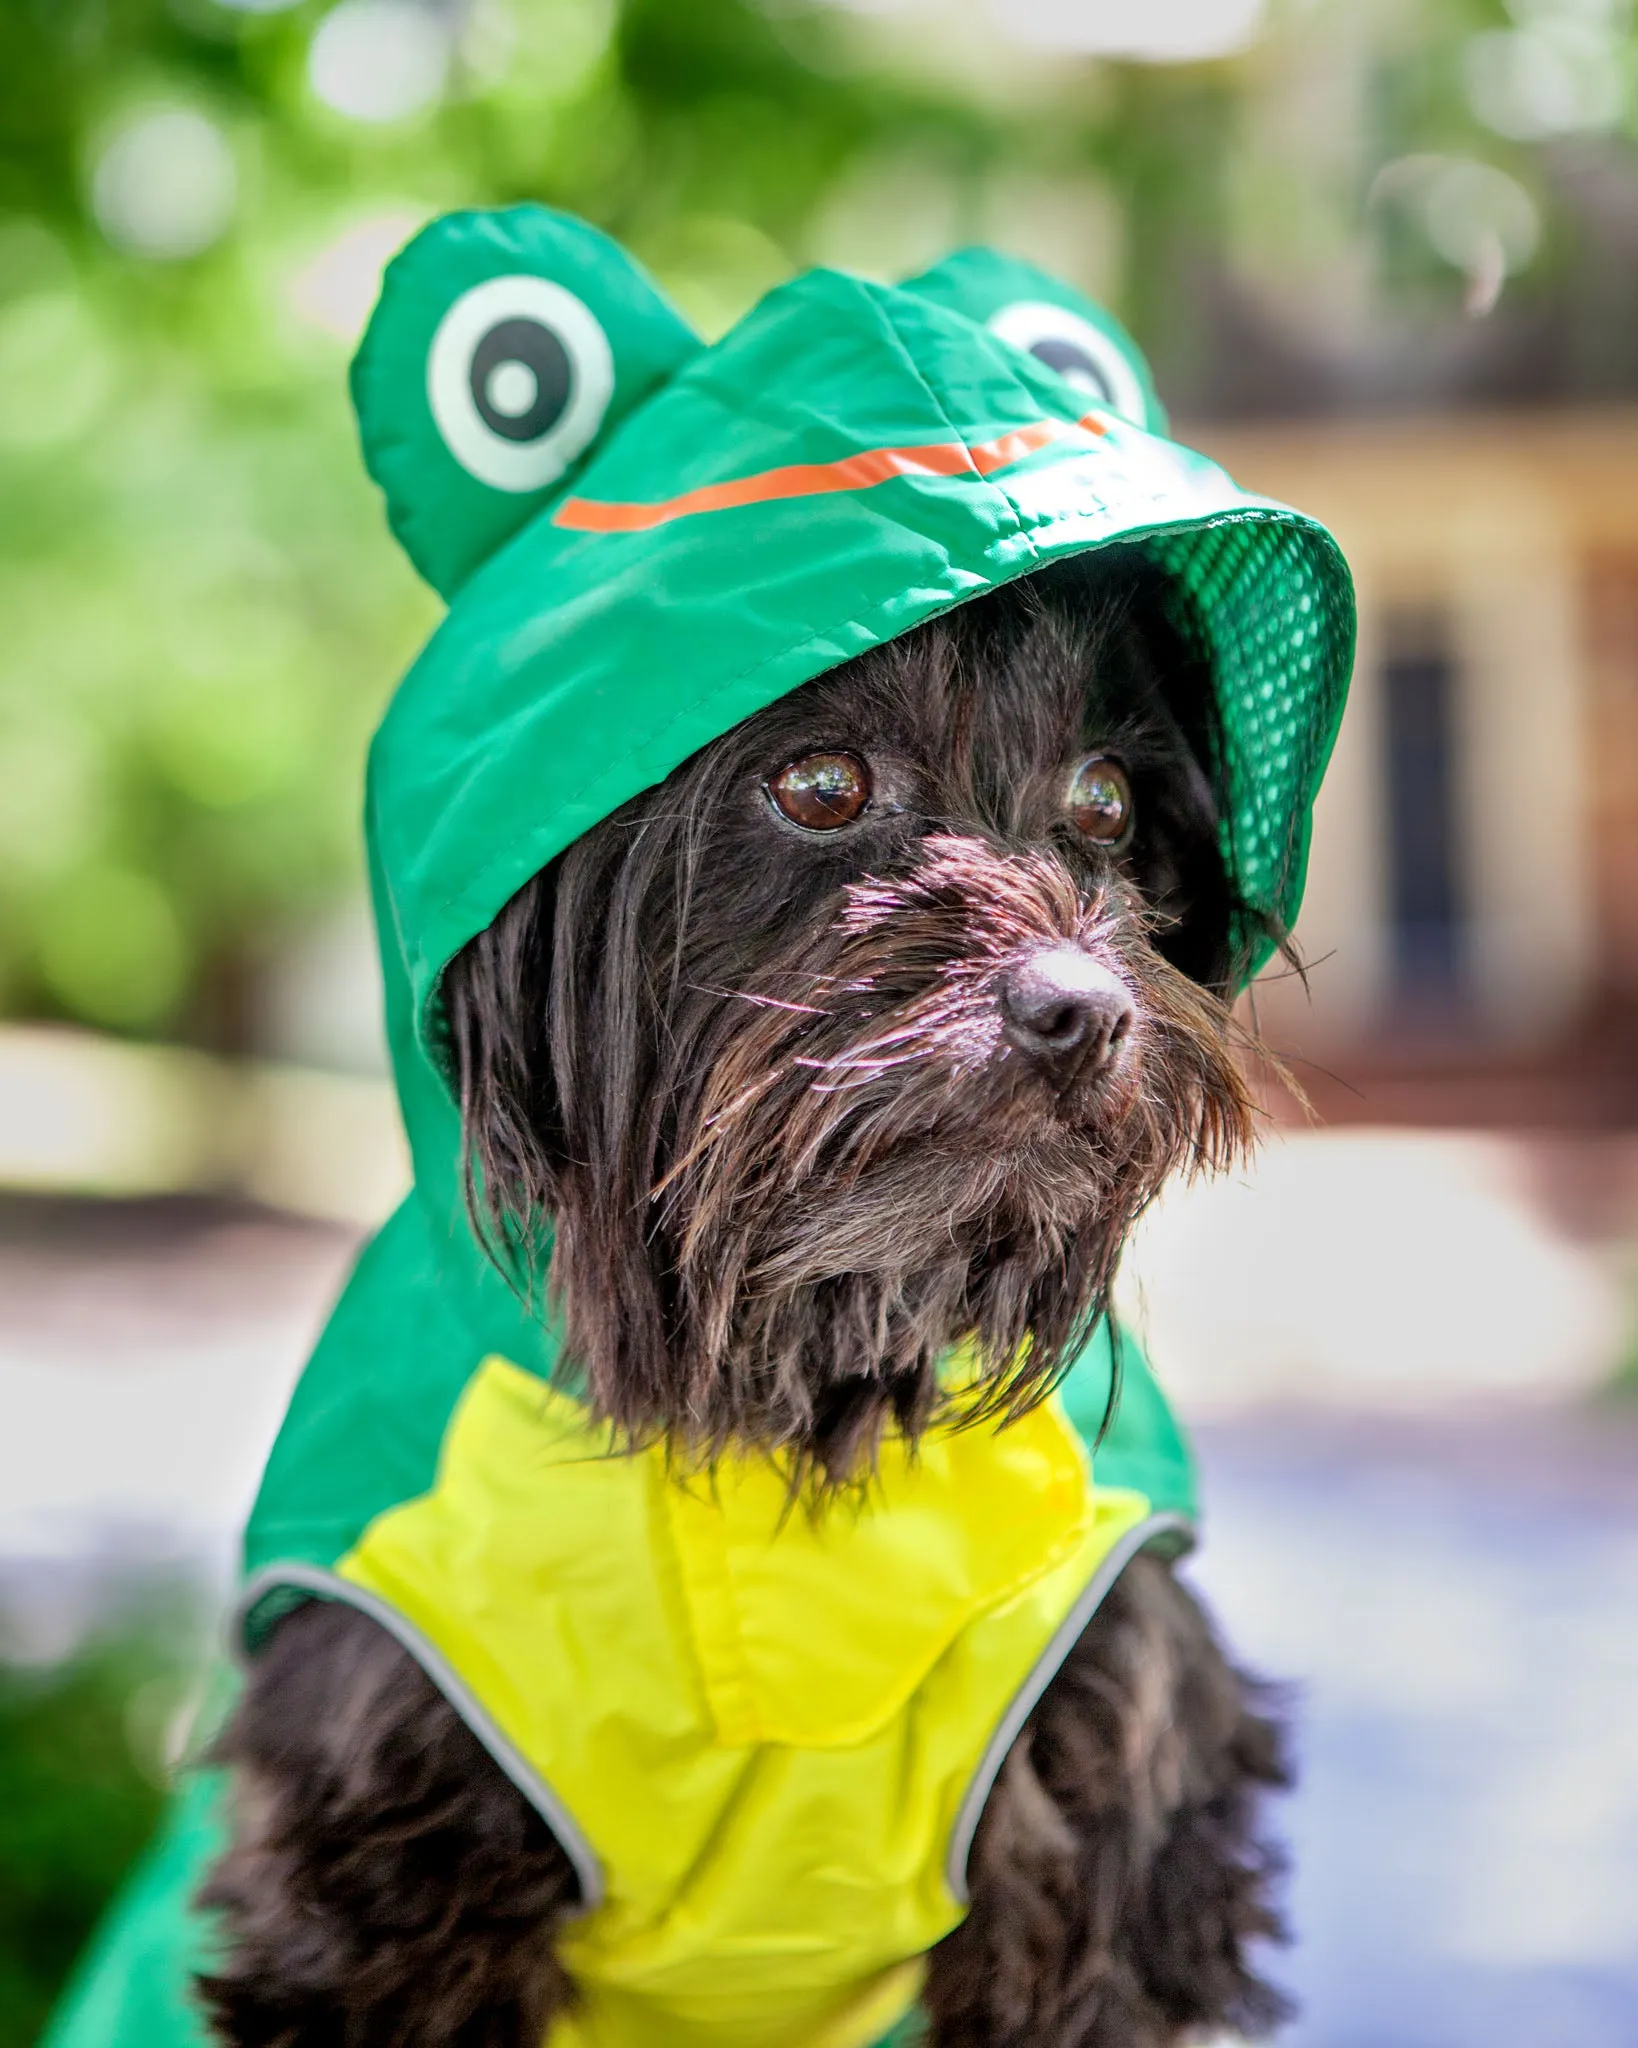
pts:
[1052, 322]
[495, 999]
[1152, 661]
[503, 346]
[1207, 941]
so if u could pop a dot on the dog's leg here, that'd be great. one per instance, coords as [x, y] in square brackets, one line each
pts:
[386, 1886]
[1117, 1878]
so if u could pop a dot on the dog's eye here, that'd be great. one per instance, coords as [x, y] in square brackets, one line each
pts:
[1100, 801]
[820, 792]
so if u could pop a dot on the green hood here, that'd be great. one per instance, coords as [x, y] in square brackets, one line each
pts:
[849, 460]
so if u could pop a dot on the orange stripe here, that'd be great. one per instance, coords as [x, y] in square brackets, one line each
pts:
[992, 455]
[813, 479]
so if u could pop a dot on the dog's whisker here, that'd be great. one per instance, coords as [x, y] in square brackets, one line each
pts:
[758, 999]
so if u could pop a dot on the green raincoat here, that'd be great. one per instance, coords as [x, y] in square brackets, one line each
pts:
[643, 541]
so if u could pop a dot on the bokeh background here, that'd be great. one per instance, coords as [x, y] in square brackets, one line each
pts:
[1384, 256]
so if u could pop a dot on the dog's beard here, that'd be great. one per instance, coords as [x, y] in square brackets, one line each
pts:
[867, 1173]
[841, 1169]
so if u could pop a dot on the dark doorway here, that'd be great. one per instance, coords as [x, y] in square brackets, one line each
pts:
[1426, 903]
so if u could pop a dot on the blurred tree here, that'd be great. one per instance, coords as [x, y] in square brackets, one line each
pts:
[202, 608]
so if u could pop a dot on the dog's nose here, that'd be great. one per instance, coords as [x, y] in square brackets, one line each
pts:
[1063, 1012]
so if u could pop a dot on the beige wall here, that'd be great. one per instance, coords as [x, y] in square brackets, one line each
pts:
[1493, 522]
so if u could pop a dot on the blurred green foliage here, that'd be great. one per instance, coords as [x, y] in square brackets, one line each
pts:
[202, 610]
[82, 1774]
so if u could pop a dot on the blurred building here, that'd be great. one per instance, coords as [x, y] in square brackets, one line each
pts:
[1472, 910]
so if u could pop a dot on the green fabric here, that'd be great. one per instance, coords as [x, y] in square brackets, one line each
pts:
[592, 645]
[1143, 1448]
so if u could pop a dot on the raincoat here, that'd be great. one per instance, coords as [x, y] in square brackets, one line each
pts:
[764, 1738]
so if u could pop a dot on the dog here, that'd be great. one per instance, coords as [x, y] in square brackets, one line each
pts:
[866, 1035]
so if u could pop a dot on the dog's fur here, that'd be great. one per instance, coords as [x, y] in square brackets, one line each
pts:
[755, 1087]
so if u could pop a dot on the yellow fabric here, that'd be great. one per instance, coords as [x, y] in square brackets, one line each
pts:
[763, 1718]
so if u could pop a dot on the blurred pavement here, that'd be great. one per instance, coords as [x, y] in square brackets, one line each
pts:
[1455, 1600]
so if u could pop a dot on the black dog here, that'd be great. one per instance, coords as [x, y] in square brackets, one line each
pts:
[872, 1029]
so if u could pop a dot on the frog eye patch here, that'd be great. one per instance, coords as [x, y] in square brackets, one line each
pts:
[519, 378]
[505, 345]
[1083, 355]
[1060, 327]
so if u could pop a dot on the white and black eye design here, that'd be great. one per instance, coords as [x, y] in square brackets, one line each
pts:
[519, 377]
[1083, 355]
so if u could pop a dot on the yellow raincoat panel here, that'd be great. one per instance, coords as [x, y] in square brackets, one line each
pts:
[754, 1721]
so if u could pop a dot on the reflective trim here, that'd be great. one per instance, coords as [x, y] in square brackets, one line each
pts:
[1044, 1670]
[325, 1585]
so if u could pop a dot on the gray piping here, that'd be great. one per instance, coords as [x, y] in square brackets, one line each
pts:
[1042, 1673]
[327, 1586]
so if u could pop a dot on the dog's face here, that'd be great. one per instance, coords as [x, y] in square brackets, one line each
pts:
[870, 1031]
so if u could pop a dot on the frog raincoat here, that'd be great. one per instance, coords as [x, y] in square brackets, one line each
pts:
[764, 1738]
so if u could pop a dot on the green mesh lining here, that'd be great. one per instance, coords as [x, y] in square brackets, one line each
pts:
[1271, 599]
